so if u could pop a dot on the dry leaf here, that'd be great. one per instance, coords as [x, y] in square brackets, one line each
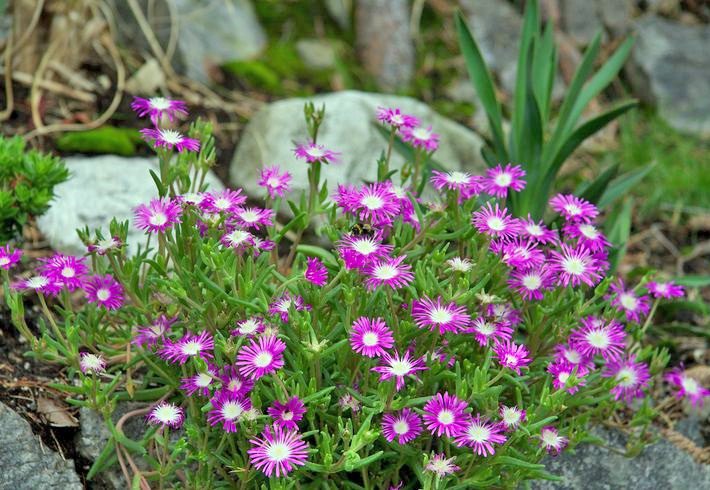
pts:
[55, 413]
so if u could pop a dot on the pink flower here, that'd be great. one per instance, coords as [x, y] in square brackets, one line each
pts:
[522, 254]
[390, 272]
[480, 434]
[227, 408]
[587, 235]
[261, 357]
[498, 180]
[157, 107]
[596, 336]
[395, 118]
[104, 291]
[573, 354]
[237, 239]
[91, 363]
[687, 387]
[286, 415]
[377, 204]
[511, 417]
[165, 413]
[358, 251]
[666, 290]
[170, 138]
[486, 330]
[537, 231]
[190, 345]
[253, 217]
[316, 273]
[466, 184]
[530, 283]
[226, 201]
[631, 377]
[65, 269]
[283, 305]
[275, 182]
[40, 283]
[278, 451]
[551, 440]
[103, 246]
[158, 216]
[370, 338]
[311, 152]
[420, 137]
[249, 327]
[7, 258]
[635, 307]
[495, 222]
[234, 382]
[442, 466]
[439, 317]
[504, 313]
[199, 382]
[404, 426]
[511, 355]
[563, 371]
[574, 266]
[574, 208]
[150, 335]
[398, 367]
[445, 414]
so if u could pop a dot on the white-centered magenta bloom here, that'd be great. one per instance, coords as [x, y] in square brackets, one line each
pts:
[227, 409]
[635, 307]
[66, 270]
[498, 180]
[459, 264]
[357, 251]
[511, 355]
[8, 258]
[249, 327]
[226, 201]
[395, 118]
[234, 382]
[399, 367]
[92, 363]
[283, 305]
[261, 357]
[531, 283]
[574, 208]
[158, 107]
[391, 272]
[237, 239]
[537, 231]
[274, 181]
[597, 336]
[511, 417]
[445, 414]
[190, 345]
[316, 272]
[666, 290]
[495, 222]
[631, 377]
[587, 235]
[438, 316]
[40, 283]
[370, 337]
[466, 184]
[170, 138]
[404, 426]
[200, 382]
[521, 254]
[157, 216]
[574, 266]
[105, 245]
[486, 330]
[442, 466]
[253, 217]
[421, 137]
[286, 415]
[165, 413]
[278, 451]
[349, 402]
[153, 333]
[104, 291]
[551, 440]
[573, 354]
[562, 372]
[311, 152]
[376, 204]
[687, 387]
[480, 434]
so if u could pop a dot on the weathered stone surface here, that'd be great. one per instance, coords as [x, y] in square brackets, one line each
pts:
[319, 54]
[340, 11]
[25, 464]
[670, 68]
[99, 189]
[349, 128]
[659, 466]
[384, 41]
[581, 19]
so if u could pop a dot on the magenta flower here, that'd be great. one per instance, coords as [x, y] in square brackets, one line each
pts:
[226, 201]
[486, 330]
[377, 204]
[459, 264]
[346, 197]
[436, 316]
[511, 355]
[666, 290]
[165, 413]
[480, 434]
[522, 254]
[92, 363]
[102, 247]
[275, 182]
[158, 216]
[537, 231]
[278, 451]
[104, 291]
[66, 270]
[511, 417]
[635, 307]
[389, 272]
[404, 426]
[466, 184]
[283, 305]
[253, 217]
[286, 415]
[587, 235]
[39, 283]
[370, 338]
[574, 208]
[200, 382]
[498, 180]
[495, 222]
[249, 327]
[442, 466]
[261, 357]
[150, 335]
[234, 382]
[598, 337]
[170, 138]
[359, 251]
[504, 313]
[631, 377]
[190, 345]
[531, 283]
[398, 367]
[574, 266]
[551, 440]
[311, 152]
[157, 107]
[8, 259]
[687, 387]
[561, 373]
[237, 239]
[316, 273]
[445, 414]
[196, 199]
[420, 137]
[227, 408]
[395, 118]
[573, 354]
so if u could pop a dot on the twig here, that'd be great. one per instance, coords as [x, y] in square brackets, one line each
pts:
[52, 86]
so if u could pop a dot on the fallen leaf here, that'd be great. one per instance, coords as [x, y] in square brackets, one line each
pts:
[55, 413]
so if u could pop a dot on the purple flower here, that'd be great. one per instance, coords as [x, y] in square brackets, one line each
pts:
[587, 235]
[316, 273]
[237, 239]
[286, 415]
[395, 118]
[498, 180]
[522, 254]
[596, 336]
[157, 107]
[398, 367]
[91, 363]
[404, 426]
[551, 440]
[234, 382]
[359, 251]
[537, 231]
[504, 313]
[573, 354]
[634, 306]
[190, 345]
[574, 266]
[370, 338]
[480, 434]
[687, 387]
[436, 316]
[158, 216]
[278, 451]
[170, 138]
[249, 327]
[261, 357]
[7, 258]
[445, 414]
[495, 222]
[420, 137]
[442, 466]
[199, 382]
[389, 272]
[65, 269]
[466, 184]
[631, 377]
[226, 201]
[283, 305]
[666, 290]
[102, 247]
[511, 417]
[39, 283]
[574, 208]
[530, 283]
[562, 371]
[104, 291]
[275, 182]
[165, 413]
[150, 335]
[486, 330]
[311, 152]
[253, 217]
[377, 204]
[227, 408]
[511, 355]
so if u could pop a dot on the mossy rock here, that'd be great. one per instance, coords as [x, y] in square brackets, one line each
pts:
[103, 140]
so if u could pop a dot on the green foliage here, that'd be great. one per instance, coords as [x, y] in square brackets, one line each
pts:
[27, 180]
[106, 139]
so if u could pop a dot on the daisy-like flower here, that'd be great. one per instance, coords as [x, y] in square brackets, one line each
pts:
[460, 265]
[574, 266]
[234, 382]
[666, 290]
[157, 216]
[347, 401]
[466, 184]
[399, 367]
[104, 291]
[282, 306]
[249, 327]
[504, 313]
[170, 138]
[276, 183]
[278, 451]
[227, 408]
[377, 204]
[511, 355]
[442, 466]
[480, 434]
[486, 330]
[91, 363]
[237, 239]
[687, 387]
[511, 417]
[587, 235]
[537, 231]
[261, 357]
[498, 180]
[404, 426]
[190, 345]
[631, 377]
[395, 118]
[200, 382]
[262, 245]
[358, 251]
[253, 217]
[157, 107]
[561, 373]
[40, 283]
[531, 283]
[522, 254]
[197, 199]
[165, 413]
[574, 208]
[65, 269]
[596, 336]
[311, 152]
[389, 272]
[551, 440]
[286, 415]
[150, 335]
[346, 197]
[8, 258]
[226, 201]
[370, 338]
[635, 307]
[316, 273]
[105, 245]
[495, 222]
[421, 137]
[573, 354]
[438, 316]
[445, 414]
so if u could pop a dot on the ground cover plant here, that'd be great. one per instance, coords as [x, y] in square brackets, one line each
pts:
[435, 342]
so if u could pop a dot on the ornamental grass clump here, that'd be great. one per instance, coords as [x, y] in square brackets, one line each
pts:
[435, 343]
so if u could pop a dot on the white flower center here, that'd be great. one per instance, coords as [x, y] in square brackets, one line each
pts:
[203, 380]
[662, 287]
[191, 348]
[563, 377]
[496, 224]
[385, 272]
[503, 180]
[171, 136]
[478, 433]
[370, 339]
[103, 294]
[550, 438]
[278, 452]
[158, 219]
[440, 315]
[574, 266]
[532, 282]
[166, 413]
[37, 282]
[315, 152]
[458, 177]
[534, 230]
[232, 410]
[160, 103]
[222, 203]
[589, 231]
[68, 272]
[250, 216]
[598, 339]
[573, 356]
[396, 120]
[234, 385]
[510, 416]
[445, 417]
[485, 328]
[573, 209]
[401, 427]
[4, 260]
[627, 377]
[421, 133]
[373, 202]
[263, 359]
[690, 385]
[248, 326]
[628, 301]
[511, 360]
[273, 182]
[364, 247]
[400, 368]
[237, 237]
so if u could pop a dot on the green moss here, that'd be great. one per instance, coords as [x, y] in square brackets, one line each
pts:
[106, 139]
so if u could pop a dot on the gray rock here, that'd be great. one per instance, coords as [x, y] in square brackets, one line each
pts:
[659, 466]
[27, 465]
[617, 15]
[318, 54]
[349, 128]
[581, 19]
[670, 68]
[384, 41]
[340, 11]
[99, 189]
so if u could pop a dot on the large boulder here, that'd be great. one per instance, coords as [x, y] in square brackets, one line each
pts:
[671, 69]
[99, 189]
[350, 128]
